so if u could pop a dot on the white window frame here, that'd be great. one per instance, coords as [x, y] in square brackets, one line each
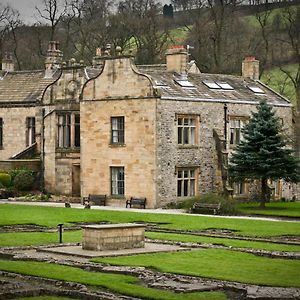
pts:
[117, 178]
[186, 182]
[186, 130]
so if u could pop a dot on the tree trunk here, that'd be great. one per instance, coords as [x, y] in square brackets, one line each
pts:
[264, 192]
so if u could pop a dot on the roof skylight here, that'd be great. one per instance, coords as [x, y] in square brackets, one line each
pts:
[211, 85]
[256, 89]
[184, 83]
[225, 86]
[159, 83]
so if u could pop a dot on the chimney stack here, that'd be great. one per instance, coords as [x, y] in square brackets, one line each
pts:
[250, 68]
[54, 58]
[177, 59]
[8, 62]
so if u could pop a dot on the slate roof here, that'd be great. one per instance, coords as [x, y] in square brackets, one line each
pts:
[23, 86]
[241, 93]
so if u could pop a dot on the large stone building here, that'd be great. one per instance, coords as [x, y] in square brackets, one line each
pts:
[163, 132]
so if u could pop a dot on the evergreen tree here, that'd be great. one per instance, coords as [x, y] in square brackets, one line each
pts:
[262, 154]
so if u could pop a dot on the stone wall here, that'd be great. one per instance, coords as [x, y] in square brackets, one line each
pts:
[203, 155]
[137, 155]
[14, 129]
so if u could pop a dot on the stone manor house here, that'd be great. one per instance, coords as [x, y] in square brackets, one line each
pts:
[163, 132]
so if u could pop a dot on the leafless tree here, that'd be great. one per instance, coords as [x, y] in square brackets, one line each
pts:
[52, 12]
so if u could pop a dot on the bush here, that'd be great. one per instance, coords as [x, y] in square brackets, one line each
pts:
[23, 179]
[228, 205]
[5, 179]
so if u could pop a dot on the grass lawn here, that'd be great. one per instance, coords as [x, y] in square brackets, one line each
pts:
[284, 209]
[51, 216]
[221, 241]
[127, 285]
[218, 264]
[13, 239]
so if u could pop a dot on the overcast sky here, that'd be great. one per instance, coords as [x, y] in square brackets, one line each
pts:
[27, 8]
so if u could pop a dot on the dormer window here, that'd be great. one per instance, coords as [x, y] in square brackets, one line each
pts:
[255, 89]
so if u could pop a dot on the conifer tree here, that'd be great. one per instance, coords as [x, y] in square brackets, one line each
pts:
[263, 153]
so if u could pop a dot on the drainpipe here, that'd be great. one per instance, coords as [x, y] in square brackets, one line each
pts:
[44, 116]
[225, 126]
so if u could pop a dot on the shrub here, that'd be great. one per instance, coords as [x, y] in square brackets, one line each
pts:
[228, 205]
[5, 179]
[23, 179]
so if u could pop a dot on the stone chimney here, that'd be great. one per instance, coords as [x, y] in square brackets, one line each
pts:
[8, 62]
[250, 68]
[54, 57]
[177, 59]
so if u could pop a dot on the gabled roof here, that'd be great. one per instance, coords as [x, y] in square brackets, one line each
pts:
[205, 87]
[23, 86]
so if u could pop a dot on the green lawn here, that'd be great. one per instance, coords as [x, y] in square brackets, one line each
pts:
[51, 216]
[14, 239]
[127, 285]
[219, 264]
[221, 241]
[284, 209]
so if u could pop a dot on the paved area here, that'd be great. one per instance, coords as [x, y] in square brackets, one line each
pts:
[78, 251]
[153, 211]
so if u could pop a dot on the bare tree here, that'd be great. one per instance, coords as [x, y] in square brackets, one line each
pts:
[52, 11]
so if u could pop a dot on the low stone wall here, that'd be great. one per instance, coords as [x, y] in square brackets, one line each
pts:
[113, 237]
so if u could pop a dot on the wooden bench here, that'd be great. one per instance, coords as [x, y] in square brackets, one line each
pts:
[94, 200]
[141, 202]
[215, 207]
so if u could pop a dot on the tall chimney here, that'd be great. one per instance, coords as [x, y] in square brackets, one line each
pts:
[177, 59]
[8, 62]
[250, 68]
[54, 58]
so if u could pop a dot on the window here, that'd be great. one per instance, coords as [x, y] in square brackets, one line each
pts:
[186, 130]
[117, 181]
[30, 131]
[68, 130]
[225, 86]
[235, 131]
[239, 188]
[1, 133]
[256, 89]
[218, 85]
[184, 83]
[117, 130]
[185, 182]
[211, 85]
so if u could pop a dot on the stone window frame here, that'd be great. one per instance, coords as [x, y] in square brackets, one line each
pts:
[30, 131]
[196, 126]
[235, 133]
[240, 188]
[118, 133]
[68, 130]
[117, 181]
[186, 182]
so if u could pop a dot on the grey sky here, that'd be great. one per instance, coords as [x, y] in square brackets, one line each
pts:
[27, 8]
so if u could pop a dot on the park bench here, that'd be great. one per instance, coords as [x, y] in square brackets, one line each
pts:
[215, 207]
[94, 200]
[140, 202]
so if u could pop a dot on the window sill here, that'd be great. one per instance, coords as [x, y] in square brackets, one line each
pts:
[119, 197]
[187, 146]
[116, 145]
[67, 150]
